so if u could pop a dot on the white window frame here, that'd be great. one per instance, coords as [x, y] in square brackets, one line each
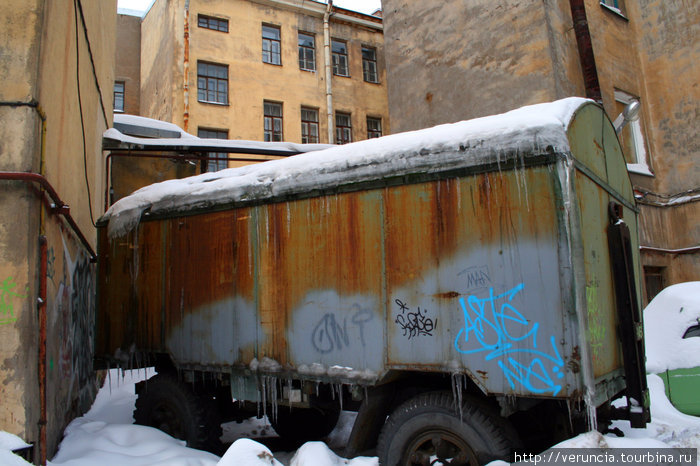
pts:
[641, 164]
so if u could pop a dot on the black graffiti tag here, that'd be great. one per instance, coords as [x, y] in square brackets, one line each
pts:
[415, 323]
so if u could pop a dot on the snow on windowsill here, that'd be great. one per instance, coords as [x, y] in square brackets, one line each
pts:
[639, 169]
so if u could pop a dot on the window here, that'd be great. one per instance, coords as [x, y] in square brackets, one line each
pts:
[209, 164]
[119, 96]
[212, 83]
[273, 121]
[653, 281]
[343, 128]
[215, 24]
[309, 126]
[340, 58]
[307, 52]
[271, 47]
[374, 128]
[631, 137]
[369, 64]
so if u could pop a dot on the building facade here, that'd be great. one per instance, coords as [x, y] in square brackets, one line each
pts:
[264, 70]
[56, 63]
[448, 61]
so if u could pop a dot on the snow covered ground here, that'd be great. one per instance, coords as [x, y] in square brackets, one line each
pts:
[106, 434]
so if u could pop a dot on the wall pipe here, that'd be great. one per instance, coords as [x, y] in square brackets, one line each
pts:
[57, 206]
[329, 75]
[186, 69]
[585, 50]
[689, 250]
[41, 309]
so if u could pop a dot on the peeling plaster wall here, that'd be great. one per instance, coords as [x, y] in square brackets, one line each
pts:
[451, 61]
[38, 65]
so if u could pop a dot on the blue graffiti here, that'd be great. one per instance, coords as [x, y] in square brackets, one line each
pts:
[493, 326]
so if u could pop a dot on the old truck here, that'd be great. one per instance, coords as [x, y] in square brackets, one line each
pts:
[468, 289]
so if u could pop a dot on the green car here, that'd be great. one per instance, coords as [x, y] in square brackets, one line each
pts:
[672, 334]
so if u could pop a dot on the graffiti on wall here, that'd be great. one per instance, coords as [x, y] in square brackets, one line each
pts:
[414, 323]
[333, 333]
[494, 327]
[8, 297]
[75, 318]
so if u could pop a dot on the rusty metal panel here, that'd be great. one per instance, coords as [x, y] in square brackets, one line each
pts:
[473, 282]
[198, 305]
[320, 281]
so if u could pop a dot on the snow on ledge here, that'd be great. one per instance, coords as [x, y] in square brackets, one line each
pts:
[525, 132]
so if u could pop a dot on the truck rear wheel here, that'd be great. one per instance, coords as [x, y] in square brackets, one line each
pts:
[169, 405]
[305, 424]
[429, 429]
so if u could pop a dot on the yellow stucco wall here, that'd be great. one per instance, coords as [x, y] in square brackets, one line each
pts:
[250, 80]
[40, 68]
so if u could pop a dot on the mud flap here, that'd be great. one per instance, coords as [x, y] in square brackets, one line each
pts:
[631, 329]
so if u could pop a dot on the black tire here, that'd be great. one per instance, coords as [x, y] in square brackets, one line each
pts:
[169, 405]
[300, 425]
[431, 425]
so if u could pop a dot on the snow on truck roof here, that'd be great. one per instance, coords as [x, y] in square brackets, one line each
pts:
[528, 131]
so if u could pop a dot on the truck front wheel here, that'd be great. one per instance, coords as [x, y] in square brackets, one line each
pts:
[431, 429]
[169, 405]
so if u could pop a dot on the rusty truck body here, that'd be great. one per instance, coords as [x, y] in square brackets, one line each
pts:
[465, 288]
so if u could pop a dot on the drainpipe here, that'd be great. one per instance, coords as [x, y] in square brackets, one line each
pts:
[585, 50]
[329, 75]
[186, 70]
[41, 308]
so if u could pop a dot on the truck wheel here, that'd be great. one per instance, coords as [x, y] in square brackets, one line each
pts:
[169, 405]
[300, 425]
[429, 429]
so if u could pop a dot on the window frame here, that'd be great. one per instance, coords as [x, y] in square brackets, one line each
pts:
[641, 164]
[341, 129]
[217, 80]
[367, 62]
[123, 96]
[374, 133]
[209, 166]
[306, 124]
[304, 49]
[208, 19]
[270, 42]
[337, 56]
[269, 134]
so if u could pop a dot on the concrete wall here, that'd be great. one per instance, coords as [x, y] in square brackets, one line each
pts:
[162, 36]
[449, 61]
[39, 68]
[127, 63]
[250, 80]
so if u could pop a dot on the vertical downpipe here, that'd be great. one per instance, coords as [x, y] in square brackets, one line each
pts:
[329, 74]
[585, 50]
[186, 69]
[41, 308]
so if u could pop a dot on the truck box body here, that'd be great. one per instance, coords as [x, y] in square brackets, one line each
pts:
[477, 249]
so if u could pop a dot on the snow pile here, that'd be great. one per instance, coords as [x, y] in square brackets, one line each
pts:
[135, 120]
[666, 319]
[526, 132]
[9, 442]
